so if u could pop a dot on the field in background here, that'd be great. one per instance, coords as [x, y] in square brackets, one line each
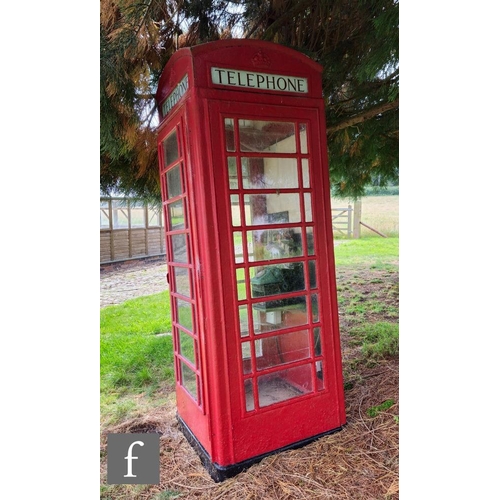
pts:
[379, 212]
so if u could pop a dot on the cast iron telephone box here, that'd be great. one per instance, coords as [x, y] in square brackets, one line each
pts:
[246, 199]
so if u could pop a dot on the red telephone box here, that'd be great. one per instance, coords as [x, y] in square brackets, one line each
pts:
[246, 198]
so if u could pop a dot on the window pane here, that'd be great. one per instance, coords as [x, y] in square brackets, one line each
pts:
[317, 342]
[284, 385]
[171, 148]
[315, 307]
[278, 314]
[174, 185]
[250, 405]
[238, 246]
[179, 247]
[154, 217]
[235, 210]
[232, 172]
[274, 280]
[184, 312]
[303, 138]
[310, 240]
[307, 207]
[187, 347]
[105, 222]
[137, 216]
[269, 173]
[181, 281]
[229, 127]
[273, 208]
[243, 312]
[305, 173]
[285, 348]
[312, 273]
[246, 357]
[188, 380]
[271, 244]
[240, 284]
[176, 215]
[263, 136]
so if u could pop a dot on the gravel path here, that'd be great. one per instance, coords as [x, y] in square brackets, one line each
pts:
[135, 280]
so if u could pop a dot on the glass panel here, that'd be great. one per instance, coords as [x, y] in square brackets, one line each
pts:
[273, 208]
[174, 185]
[229, 128]
[303, 138]
[320, 384]
[274, 280]
[137, 216]
[188, 380]
[176, 215]
[307, 207]
[184, 314]
[154, 217]
[240, 283]
[269, 173]
[232, 172]
[317, 341]
[250, 405]
[246, 357]
[285, 348]
[187, 347]
[179, 247]
[310, 240]
[238, 246]
[171, 148]
[277, 314]
[284, 385]
[312, 274]
[263, 136]
[315, 307]
[180, 281]
[235, 210]
[271, 244]
[105, 220]
[243, 312]
[120, 214]
[305, 173]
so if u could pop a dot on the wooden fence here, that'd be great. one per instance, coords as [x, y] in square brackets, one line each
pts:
[346, 220]
[130, 230]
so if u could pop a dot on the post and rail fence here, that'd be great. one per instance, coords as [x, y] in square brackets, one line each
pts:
[131, 229]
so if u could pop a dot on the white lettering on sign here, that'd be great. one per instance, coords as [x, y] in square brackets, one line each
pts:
[175, 96]
[266, 81]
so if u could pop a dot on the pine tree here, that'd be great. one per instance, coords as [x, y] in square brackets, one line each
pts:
[355, 42]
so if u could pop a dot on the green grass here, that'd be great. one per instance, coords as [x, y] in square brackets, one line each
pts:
[374, 252]
[378, 340]
[134, 359]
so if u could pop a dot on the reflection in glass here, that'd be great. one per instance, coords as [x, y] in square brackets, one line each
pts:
[317, 342]
[246, 357]
[285, 348]
[310, 240]
[263, 136]
[176, 215]
[171, 148]
[284, 385]
[271, 244]
[174, 185]
[179, 247]
[269, 173]
[315, 307]
[273, 208]
[312, 274]
[180, 281]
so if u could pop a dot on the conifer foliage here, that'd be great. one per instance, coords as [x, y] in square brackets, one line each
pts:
[355, 42]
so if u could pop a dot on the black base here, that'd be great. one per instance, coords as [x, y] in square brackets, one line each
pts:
[220, 473]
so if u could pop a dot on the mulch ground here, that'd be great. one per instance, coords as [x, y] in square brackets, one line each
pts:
[359, 462]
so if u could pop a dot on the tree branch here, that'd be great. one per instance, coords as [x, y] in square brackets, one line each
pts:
[366, 115]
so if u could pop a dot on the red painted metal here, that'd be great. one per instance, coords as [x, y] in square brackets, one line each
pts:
[233, 332]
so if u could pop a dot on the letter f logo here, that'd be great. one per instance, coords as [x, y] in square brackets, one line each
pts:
[129, 458]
